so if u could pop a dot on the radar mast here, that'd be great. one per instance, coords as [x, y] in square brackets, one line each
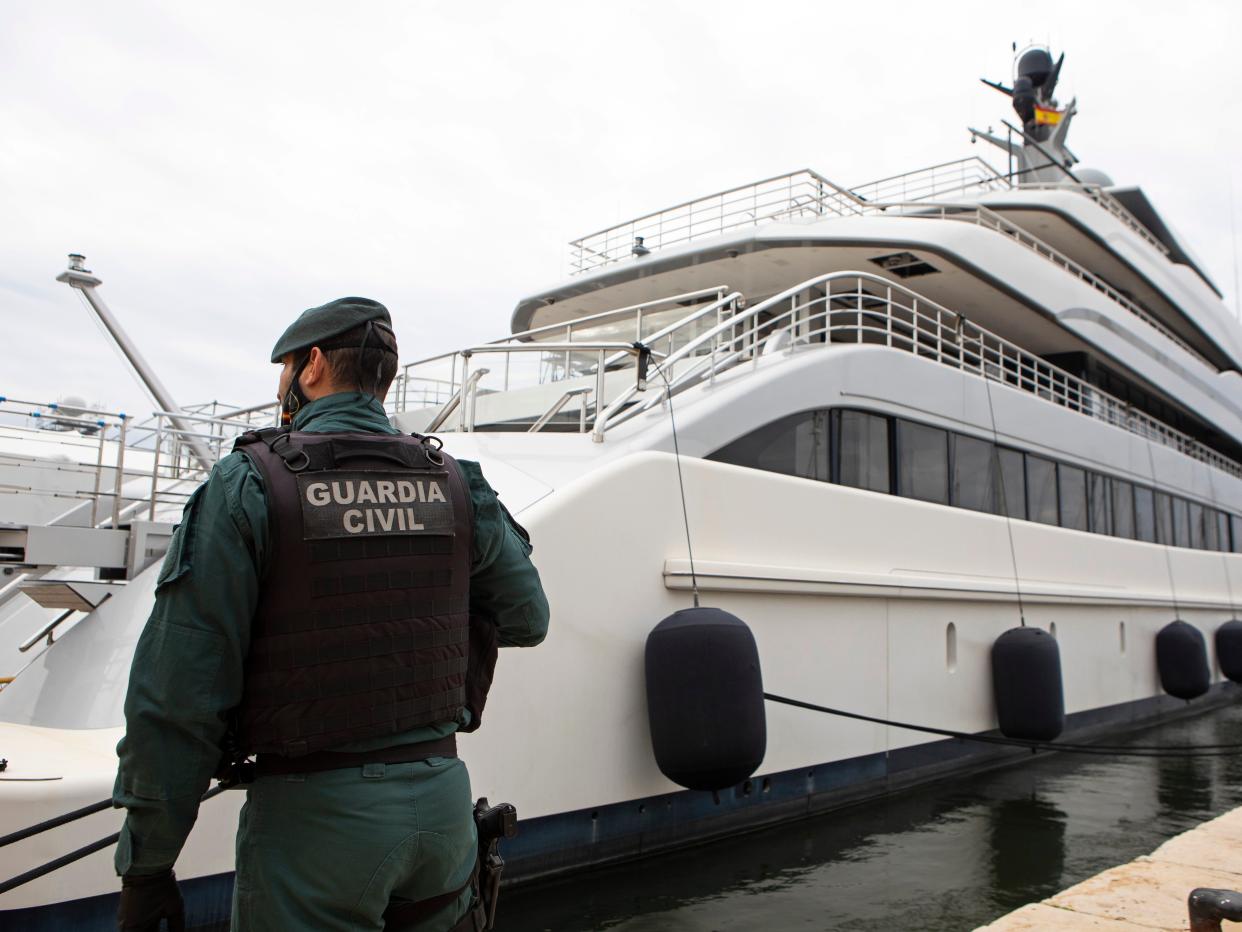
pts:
[1037, 146]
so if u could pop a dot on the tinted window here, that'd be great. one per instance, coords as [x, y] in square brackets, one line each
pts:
[1181, 522]
[796, 445]
[1198, 539]
[922, 462]
[1210, 533]
[974, 474]
[1164, 518]
[1222, 531]
[1144, 513]
[1236, 533]
[1123, 508]
[1041, 489]
[1101, 506]
[1011, 487]
[1073, 489]
[862, 451]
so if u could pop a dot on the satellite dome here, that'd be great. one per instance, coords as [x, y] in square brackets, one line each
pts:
[1035, 64]
[1093, 176]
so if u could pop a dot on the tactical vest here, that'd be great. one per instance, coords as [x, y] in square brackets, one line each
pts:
[362, 625]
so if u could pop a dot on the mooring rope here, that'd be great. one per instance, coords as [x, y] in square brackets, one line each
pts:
[1116, 750]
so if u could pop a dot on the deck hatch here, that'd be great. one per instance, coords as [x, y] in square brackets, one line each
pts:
[904, 265]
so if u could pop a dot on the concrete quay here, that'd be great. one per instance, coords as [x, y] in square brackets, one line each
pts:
[1147, 893]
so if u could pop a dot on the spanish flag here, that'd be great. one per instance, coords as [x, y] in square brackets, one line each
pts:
[1047, 117]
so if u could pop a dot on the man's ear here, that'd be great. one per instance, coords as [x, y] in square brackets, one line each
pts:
[315, 373]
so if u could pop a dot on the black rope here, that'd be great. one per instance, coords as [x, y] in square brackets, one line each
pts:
[82, 813]
[1202, 750]
[681, 484]
[36, 872]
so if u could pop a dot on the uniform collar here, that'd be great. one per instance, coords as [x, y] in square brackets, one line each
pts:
[344, 410]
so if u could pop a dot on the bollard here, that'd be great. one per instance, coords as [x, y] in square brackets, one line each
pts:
[1208, 907]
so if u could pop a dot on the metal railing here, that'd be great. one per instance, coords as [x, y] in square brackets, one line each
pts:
[808, 194]
[112, 490]
[802, 193]
[969, 174]
[864, 308]
[1098, 194]
[578, 352]
[982, 216]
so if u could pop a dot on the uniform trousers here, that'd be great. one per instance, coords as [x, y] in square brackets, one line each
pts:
[328, 850]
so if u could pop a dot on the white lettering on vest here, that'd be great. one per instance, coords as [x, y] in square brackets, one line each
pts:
[349, 518]
[386, 491]
[406, 491]
[411, 524]
[317, 493]
[434, 493]
[343, 496]
[366, 494]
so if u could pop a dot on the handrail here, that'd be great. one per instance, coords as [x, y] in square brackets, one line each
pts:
[798, 192]
[1106, 200]
[556, 407]
[926, 179]
[923, 327]
[467, 385]
[985, 217]
[615, 312]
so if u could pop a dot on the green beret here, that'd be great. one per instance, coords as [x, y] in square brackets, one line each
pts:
[320, 324]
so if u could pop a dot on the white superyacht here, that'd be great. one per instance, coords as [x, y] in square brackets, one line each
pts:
[883, 425]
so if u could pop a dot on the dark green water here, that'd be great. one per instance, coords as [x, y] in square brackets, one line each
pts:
[950, 856]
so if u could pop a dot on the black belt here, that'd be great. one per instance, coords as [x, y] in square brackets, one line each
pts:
[268, 765]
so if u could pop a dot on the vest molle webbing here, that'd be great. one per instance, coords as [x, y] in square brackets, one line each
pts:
[362, 625]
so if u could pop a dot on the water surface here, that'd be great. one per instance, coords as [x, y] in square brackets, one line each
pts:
[949, 856]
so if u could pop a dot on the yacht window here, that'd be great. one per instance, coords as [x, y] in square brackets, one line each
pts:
[1181, 522]
[796, 445]
[1144, 514]
[1222, 531]
[1011, 490]
[1164, 518]
[922, 462]
[1041, 489]
[1198, 539]
[974, 474]
[862, 451]
[1123, 508]
[1210, 533]
[1073, 493]
[1235, 535]
[1101, 507]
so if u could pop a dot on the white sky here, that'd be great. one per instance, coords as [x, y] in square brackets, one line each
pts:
[225, 165]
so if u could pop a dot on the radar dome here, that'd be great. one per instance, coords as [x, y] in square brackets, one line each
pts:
[1035, 64]
[1093, 176]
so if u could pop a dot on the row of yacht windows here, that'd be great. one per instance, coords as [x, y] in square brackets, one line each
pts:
[902, 457]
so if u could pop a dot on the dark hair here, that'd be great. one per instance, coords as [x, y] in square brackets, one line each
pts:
[370, 369]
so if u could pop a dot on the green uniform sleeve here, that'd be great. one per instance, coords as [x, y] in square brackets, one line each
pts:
[504, 584]
[187, 670]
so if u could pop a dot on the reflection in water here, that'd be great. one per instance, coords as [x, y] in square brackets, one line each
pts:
[1028, 848]
[950, 856]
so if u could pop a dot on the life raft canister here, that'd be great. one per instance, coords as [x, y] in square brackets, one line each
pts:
[1229, 649]
[1026, 683]
[1181, 659]
[705, 699]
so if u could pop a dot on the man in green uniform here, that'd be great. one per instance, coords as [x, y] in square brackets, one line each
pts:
[324, 847]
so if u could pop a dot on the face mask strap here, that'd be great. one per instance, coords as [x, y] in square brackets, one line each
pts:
[295, 398]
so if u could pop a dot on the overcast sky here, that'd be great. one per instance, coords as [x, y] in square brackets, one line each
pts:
[225, 165]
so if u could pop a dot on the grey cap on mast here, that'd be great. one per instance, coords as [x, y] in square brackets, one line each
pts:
[79, 277]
